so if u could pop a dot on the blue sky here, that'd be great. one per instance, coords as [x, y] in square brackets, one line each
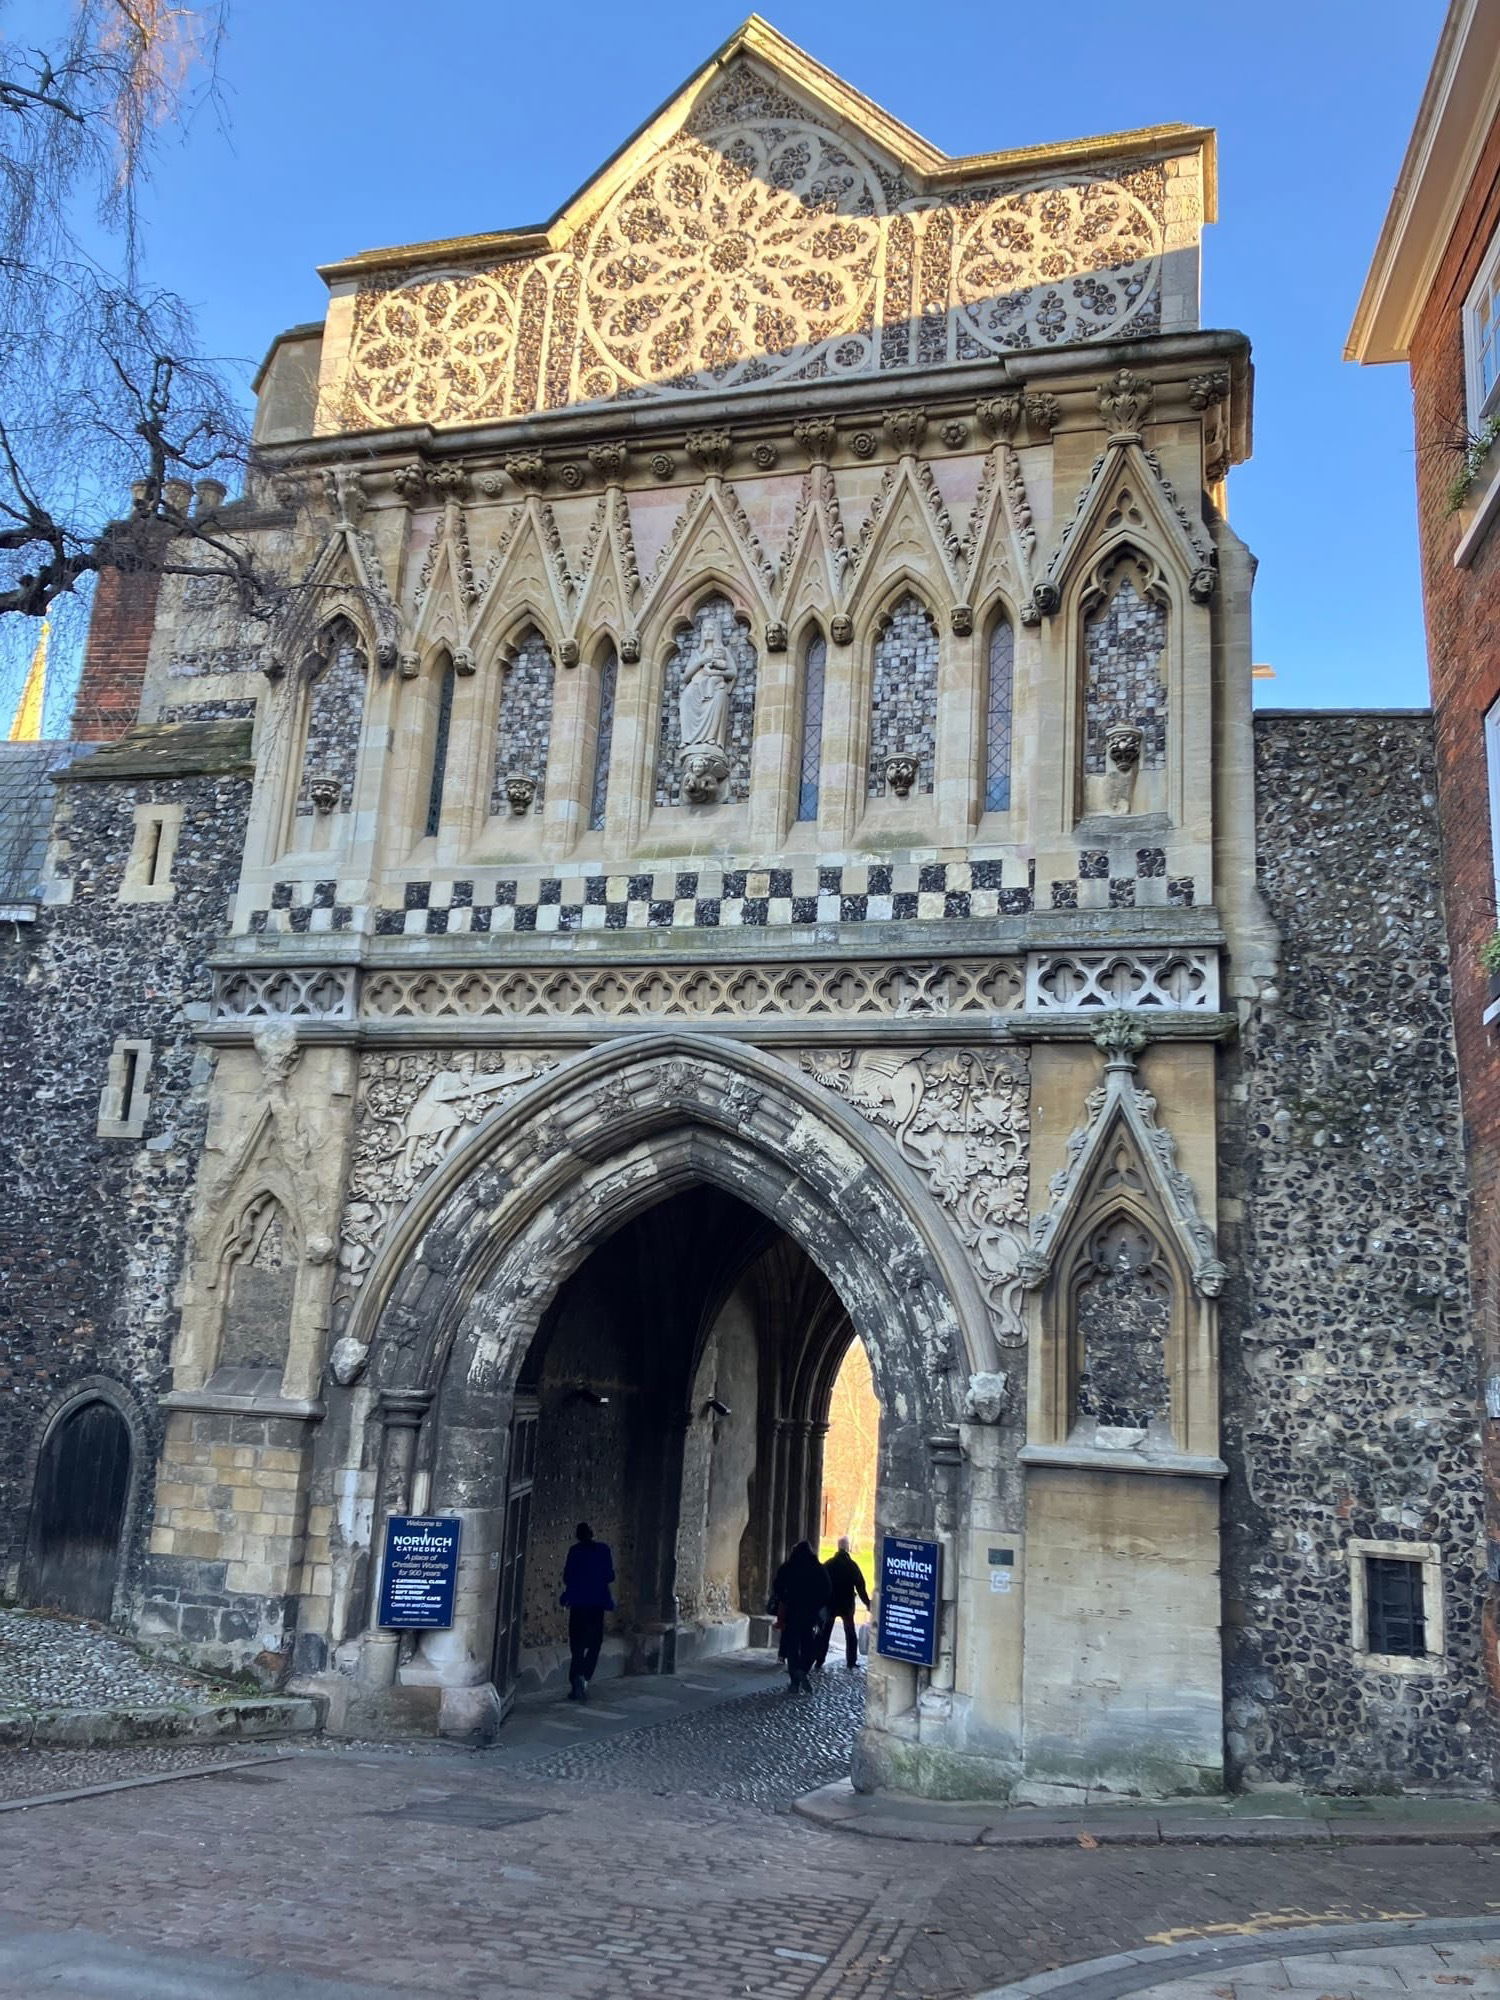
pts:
[355, 123]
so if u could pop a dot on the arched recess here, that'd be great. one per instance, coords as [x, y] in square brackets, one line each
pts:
[1123, 1194]
[455, 1300]
[79, 1534]
[329, 703]
[522, 738]
[258, 1288]
[715, 620]
[899, 753]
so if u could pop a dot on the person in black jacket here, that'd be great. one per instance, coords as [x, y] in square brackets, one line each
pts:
[846, 1581]
[586, 1596]
[800, 1594]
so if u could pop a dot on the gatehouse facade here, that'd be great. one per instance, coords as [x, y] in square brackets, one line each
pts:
[745, 834]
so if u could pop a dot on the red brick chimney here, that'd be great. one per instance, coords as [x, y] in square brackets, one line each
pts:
[114, 658]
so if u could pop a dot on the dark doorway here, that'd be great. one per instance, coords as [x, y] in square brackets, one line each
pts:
[676, 1398]
[78, 1511]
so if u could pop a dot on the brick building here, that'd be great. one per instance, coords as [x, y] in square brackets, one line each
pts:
[751, 836]
[1432, 300]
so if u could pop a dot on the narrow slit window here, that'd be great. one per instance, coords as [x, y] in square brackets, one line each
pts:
[814, 666]
[603, 740]
[1395, 1607]
[440, 750]
[153, 852]
[998, 712]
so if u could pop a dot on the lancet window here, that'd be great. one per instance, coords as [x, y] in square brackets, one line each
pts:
[523, 729]
[814, 671]
[609, 674]
[441, 728]
[999, 707]
[903, 702]
[335, 697]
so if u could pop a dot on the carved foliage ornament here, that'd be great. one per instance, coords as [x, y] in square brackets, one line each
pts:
[960, 1117]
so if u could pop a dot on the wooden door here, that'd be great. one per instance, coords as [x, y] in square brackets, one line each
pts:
[78, 1511]
[511, 1610]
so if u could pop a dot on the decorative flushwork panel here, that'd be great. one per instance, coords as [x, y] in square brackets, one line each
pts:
[1124, 638]
[1083, 982]
[524, 730]
[335, 707]
[903, 703]
[707, 711]
[760, 245]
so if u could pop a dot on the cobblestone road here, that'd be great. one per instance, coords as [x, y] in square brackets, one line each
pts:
[651, 1865]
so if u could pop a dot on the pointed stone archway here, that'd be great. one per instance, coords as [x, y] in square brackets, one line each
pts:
[452, 1308]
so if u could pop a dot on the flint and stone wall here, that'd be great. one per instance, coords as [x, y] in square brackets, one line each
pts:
[1351, 1384]
[92, 1229]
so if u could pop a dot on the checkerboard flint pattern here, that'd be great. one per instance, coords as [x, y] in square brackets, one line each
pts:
[708, 899]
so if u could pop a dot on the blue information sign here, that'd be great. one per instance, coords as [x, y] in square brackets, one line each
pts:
[908, 1601]
[421, 1570]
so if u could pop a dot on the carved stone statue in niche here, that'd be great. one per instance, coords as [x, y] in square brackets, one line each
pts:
[703, 712]
[1123, 1307]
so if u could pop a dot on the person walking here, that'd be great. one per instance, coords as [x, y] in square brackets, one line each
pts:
[846, 1581]
[800, 1595]
[587, 1575]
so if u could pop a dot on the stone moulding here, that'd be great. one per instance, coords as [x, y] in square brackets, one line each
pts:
[1073, 982]
[801, 992]
[1120, 1100]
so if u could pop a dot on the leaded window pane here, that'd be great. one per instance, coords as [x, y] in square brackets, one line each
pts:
[814, 667]
[440, 750]
[997, 719]
[603, 741]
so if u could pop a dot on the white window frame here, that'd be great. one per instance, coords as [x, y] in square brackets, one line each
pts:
[1430, 1557]
[1486, 285]
[1492, 770]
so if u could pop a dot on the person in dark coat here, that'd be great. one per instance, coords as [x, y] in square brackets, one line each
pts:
[800, 1595]
[846, 1581]
[587, 1575]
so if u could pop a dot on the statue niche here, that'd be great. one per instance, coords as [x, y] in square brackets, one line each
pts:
[260, 1280]
[1122, 1313]
[703, 723]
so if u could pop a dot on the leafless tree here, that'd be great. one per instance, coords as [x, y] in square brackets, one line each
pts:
[102, 387]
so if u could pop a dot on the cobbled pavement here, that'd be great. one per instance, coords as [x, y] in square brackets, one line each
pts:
[652, 1864]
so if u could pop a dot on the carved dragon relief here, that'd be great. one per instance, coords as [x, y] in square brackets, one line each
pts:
[961, 1118]
[411, 1111]
[1119, 1100]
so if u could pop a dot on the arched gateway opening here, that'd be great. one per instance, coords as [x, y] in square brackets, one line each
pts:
[626, 1298]
[676, 1397]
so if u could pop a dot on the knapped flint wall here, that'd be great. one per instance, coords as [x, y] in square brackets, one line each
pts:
[92, 1229]
[1350, 1379]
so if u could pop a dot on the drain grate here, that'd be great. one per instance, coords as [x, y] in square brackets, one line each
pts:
[484, 1815]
